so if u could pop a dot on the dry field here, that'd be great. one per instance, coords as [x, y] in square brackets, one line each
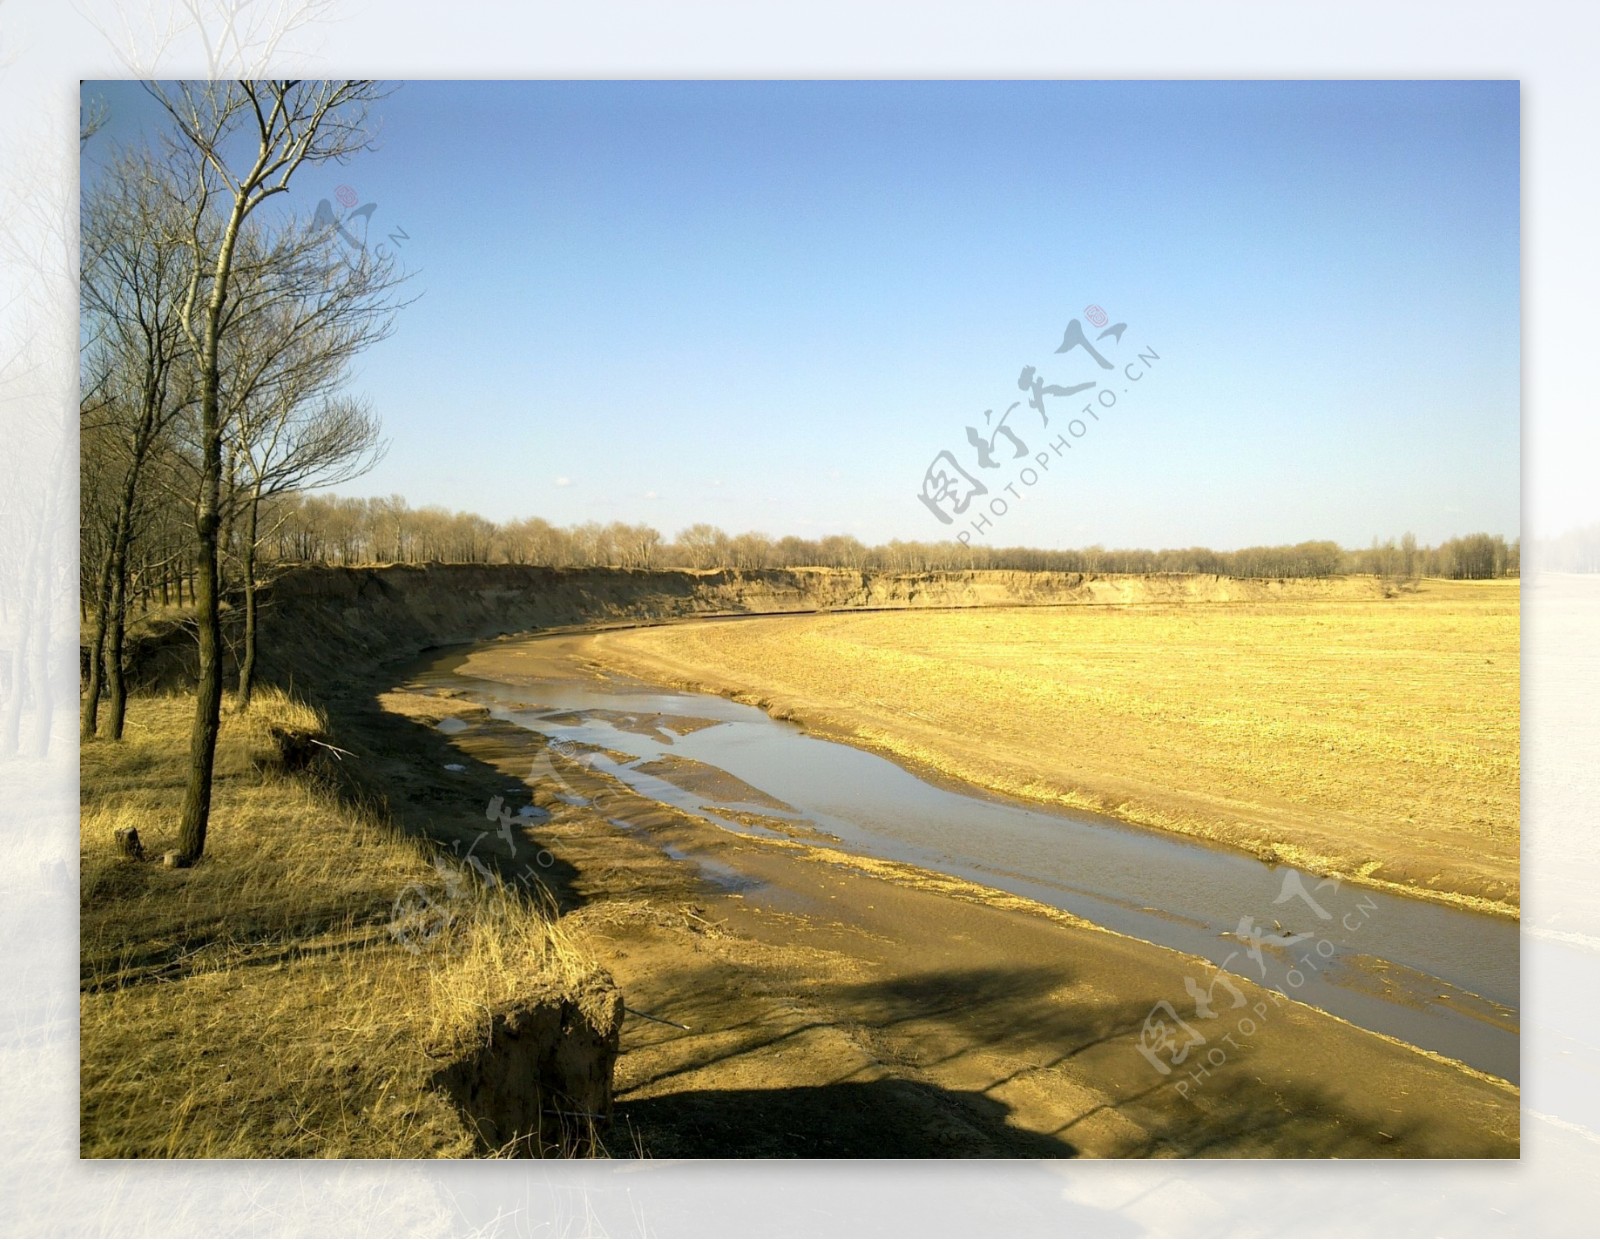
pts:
[1376, 739]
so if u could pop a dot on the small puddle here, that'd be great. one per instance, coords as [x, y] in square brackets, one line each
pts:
[1437, 977]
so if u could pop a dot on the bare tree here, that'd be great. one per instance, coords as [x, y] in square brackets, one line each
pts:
[1408, 556]
[751, 550]
[134, 270]
[290, 449]
[241, 142]
[637, 545]
[703, 546]
[297, 322]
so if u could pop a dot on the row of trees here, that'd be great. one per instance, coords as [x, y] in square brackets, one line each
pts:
[1475, 557]
[215, 343]
[1576, 551]
[333, 529]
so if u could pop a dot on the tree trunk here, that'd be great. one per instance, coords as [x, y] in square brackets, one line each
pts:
[11, 717]
[207, 604]
[208, 693]
[116, 641]
[89, 716]
[247, 662]
[44, 698]
[21, 656]
[114, 590]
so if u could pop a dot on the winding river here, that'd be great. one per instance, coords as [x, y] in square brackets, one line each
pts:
[1437, 977]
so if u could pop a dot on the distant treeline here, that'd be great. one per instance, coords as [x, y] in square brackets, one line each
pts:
[1576, 551]
[339, 530]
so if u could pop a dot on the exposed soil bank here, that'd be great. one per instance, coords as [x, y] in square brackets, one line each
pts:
[326, 622]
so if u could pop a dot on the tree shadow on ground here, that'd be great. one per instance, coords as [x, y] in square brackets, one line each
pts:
[919, 1024]
[1241, 1115]
[889, 1118]
[400, 769]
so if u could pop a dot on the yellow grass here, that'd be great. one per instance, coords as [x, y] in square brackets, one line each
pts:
[259, 1004]
[1375, 738]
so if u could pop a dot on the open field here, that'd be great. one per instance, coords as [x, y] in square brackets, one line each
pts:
[259, 1004]
[1370, 738]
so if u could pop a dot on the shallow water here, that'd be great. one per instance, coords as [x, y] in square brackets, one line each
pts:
[1437, 977]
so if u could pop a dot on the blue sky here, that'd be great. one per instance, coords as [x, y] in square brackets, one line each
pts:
[770, 305]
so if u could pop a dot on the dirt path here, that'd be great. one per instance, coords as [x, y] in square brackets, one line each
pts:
[842, 1007]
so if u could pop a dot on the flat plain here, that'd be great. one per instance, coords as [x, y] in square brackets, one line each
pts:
[1373, 738]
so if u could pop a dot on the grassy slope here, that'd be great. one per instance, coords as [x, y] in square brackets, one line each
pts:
[258, 1005]
[1373, 738]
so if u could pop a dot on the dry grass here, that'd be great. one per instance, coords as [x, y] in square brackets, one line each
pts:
[260, 1004]
[1377, 738]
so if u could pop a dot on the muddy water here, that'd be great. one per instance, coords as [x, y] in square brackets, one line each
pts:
[1437, 977]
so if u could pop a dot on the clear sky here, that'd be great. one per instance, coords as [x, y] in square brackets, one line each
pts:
[770, 305]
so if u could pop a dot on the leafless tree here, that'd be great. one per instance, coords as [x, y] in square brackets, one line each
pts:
[135, 269]
[295, 323]
[1408, 556]
[702, 546]
[290, 448]
[637, 545]
[241, 144]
